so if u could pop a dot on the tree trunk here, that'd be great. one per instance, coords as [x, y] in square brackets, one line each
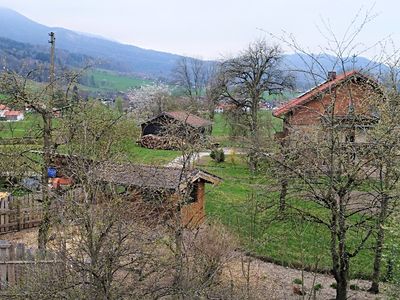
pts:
[44, 227]
[342, 279]
[255, 144]
[379, 245]
[341, 289]
[282, 196]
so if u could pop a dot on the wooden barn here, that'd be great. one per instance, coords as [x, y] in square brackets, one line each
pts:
[349, 97]
[167, 129]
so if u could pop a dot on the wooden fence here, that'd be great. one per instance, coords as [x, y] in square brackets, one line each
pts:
[20, 212]
[16, 261]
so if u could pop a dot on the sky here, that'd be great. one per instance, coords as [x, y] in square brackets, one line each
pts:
[212, 29]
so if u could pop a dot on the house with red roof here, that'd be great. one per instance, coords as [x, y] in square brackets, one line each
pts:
[7, 114]
[346, 97]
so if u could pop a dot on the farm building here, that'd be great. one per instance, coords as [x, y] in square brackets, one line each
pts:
[158, 185]
[167, 129]
[163, 185]
[7, 114]
[348, 97]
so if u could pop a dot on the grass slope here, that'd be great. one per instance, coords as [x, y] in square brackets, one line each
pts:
[29, 127]
[242, 203]
[101, 80]
[221, 129]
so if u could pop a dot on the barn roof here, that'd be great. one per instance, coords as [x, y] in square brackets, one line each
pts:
[153, 177]
[321, 88]
[184, 117]
[12, 113]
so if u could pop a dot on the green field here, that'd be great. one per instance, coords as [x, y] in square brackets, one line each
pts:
[29, 127]
[221, 129]
[102, 80]
[243, 204]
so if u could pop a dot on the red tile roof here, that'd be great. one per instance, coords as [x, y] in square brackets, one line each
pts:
[3, 107]
[185, 117]
[12, 113]
[309, 95]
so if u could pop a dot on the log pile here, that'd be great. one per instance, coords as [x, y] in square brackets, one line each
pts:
[152, 141]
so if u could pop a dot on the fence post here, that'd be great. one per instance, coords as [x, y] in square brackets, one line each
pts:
[19, 213]
[4, 245]
[11, 277]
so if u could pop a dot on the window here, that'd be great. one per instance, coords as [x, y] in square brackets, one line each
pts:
[193, 194]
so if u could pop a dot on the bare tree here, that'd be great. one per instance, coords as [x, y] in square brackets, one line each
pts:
[192, 75]
[331, 161]
[246, 78]
[42, 101]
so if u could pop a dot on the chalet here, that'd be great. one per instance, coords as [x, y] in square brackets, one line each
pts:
[347, 97]
[166, 129]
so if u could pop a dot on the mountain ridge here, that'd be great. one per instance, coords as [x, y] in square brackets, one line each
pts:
[126, 58]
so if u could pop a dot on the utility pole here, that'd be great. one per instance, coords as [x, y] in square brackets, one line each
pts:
[47, 116]
[52, 41]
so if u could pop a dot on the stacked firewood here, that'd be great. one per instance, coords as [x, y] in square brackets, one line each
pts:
[152, 141]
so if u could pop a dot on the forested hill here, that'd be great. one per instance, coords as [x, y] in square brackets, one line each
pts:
[23, 57]
[109, 54]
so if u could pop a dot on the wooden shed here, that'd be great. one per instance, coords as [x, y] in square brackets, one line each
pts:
[165, 130]
[162, 185]
[151, 184]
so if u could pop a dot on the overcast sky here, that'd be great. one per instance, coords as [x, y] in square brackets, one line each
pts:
[209, 28]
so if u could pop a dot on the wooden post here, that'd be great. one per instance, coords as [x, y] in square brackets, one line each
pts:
[11, 267]
[4, 245]
[19, 213]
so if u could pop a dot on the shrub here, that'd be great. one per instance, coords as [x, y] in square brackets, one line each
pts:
[217, 155]
[354, 287]
[233, 157]
[317, 287]
[333, 285]
[297, 281]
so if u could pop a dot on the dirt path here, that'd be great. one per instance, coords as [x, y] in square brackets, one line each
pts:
[177, 162]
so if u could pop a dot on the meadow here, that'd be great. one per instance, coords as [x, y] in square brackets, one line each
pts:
[107, 81]
[244, 203]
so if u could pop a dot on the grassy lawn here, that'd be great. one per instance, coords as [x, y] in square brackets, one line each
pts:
[221, 130]
[102, 80]
[243, 204]
[30, 127]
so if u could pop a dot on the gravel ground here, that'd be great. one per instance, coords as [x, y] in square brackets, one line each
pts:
[271, 281]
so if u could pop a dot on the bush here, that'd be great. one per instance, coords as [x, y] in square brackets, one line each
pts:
[354, 287]
[297, 281]
[317, 287]
[333, 285]
[217, 155]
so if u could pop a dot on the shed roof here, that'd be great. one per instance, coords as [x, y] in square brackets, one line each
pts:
[321, 88]
[154, 177]
[184, 117]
